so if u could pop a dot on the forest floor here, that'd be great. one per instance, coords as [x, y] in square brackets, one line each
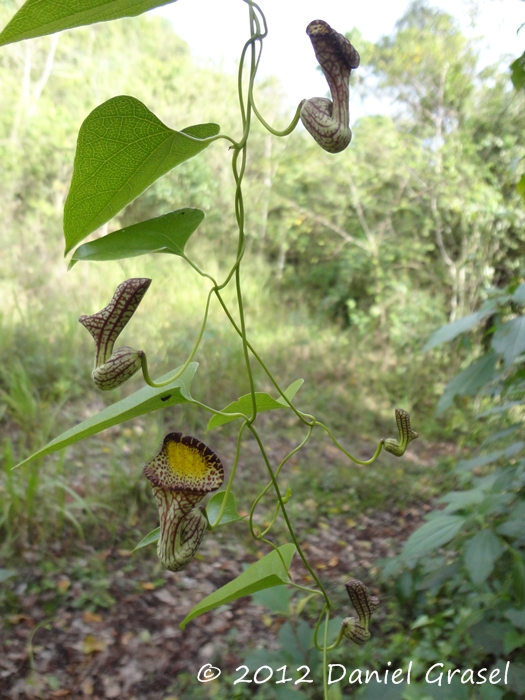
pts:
[105, 623]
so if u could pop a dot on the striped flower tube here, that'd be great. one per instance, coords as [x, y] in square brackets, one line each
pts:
[113, 368]
[328, 121]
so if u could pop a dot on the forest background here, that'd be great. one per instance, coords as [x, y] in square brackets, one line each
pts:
[352, 264]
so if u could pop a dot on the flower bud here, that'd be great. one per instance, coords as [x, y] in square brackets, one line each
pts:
[114, 368]
[406, 434]
[364, 604]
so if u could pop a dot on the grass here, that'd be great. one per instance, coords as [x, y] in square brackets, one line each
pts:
[95, 491]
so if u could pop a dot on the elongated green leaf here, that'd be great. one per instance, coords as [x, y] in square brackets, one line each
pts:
[264, 402]
[509, 340]
[452, 330]
[164, 234]
[40, 17]
[432, 535]
[143, 401]
[230, 514]
[469, 381]
[122, 149]
[481, 554]
[481, 460]
[266, 573]
[150, 538]
[458, 500]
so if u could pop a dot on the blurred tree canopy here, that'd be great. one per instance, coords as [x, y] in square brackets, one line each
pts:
[421, 213]
[407, 228]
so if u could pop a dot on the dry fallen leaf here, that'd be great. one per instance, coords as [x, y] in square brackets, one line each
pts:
[91, 644]
[91, 617]
[63, 583]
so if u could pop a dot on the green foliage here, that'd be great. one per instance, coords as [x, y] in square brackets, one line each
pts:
[40, 17]
[263, 402]
[412, 227]
[143, 401]
[164, 234]
[271, 570]
[122, 149]
[517, 76]
[463, 572]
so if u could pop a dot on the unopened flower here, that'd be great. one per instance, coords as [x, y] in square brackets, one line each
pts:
[182, 473]
[114, 368]
[328, 121]
[364, 604]
[406, 434]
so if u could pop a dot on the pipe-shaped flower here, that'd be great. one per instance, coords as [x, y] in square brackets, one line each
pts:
[182, 473]
[365, 604]
[113, 368]
[328, 121]
[406, 434]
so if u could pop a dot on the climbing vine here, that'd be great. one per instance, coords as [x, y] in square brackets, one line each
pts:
[122, 149]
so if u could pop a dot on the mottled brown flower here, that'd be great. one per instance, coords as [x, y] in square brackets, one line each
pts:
[113, 368]
[182, 474]
[328, 121]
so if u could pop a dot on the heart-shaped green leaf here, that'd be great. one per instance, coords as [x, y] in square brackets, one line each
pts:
[40, 17]
[164, 234]
[122, 149]
[263, 401]
[143, 401]
[230, 514]
[265, 573]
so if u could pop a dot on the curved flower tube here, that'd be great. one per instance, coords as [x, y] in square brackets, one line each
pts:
[113, 368]
[406, 434]
[365, 605]
[328, 121]
[182, 473]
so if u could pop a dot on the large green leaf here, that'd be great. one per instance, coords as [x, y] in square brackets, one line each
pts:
[509, 339]
[481, 460]
[452, 330]
[143, 401]
[164, 234]
[263, 401]
[469, 381]
[265, 573]
[40, 17]
[432, 535]
[481, 554]
[122, 149]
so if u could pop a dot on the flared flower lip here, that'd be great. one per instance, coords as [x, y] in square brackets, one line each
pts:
[184, 463]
